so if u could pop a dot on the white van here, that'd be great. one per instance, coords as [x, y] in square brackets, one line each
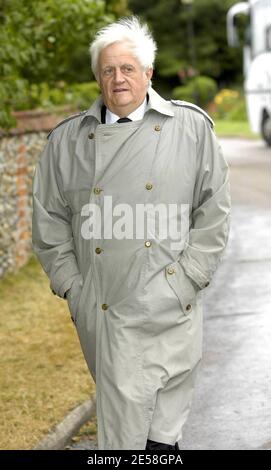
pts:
[256, 61]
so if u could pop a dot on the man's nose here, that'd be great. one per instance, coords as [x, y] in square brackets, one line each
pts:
[119, 78]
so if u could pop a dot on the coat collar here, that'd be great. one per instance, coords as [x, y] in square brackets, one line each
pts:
[156, 102]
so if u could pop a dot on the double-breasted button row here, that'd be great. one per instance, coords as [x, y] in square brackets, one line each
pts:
[98, 190]
[157, 128]
[99, 250]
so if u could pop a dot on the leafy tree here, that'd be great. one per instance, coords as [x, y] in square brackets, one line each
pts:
[46, 41]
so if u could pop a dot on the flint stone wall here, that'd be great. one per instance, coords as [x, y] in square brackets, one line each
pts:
[19, 151]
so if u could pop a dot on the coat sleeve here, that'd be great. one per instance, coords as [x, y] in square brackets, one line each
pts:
[210, 217]
[52, 238]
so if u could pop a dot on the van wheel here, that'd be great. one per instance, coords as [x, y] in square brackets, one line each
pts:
[266, 128]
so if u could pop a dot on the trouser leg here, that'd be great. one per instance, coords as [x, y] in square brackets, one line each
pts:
[153, 446]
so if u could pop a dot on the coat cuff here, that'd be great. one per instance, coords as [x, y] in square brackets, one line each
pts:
[63, 279]
[195, 274]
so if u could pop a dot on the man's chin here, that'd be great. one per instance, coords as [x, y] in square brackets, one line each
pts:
[122, 103]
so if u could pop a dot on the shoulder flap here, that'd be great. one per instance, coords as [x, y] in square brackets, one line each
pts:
[186, 104]
[66, 120]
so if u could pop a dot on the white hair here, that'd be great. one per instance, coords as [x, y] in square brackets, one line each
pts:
[128, 30]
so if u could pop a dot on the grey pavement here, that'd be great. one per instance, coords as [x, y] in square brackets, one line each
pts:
[232, 400]
[232, 403]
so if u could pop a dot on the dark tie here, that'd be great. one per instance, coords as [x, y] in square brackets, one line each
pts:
[125, 119]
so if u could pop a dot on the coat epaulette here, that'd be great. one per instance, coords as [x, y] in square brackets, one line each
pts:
[187, 104]
[66, 120]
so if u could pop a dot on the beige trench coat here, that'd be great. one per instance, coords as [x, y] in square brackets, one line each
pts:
[139, 313]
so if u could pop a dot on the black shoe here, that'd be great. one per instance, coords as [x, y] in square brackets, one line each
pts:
[153, 446]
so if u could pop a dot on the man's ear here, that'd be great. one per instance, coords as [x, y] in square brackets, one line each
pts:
[97, 78]
[149, 73]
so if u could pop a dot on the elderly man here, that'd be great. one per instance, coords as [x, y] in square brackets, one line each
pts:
[134, 295]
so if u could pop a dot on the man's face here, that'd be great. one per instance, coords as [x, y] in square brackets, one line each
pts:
[122, 79]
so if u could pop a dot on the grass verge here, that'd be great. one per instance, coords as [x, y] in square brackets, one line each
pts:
[43, 371]
[225, 128]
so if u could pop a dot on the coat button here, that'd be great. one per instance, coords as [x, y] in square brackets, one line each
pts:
[157, 128]
[170, 270]
[104, 306]
[91, 135]
[149, 186]
[97, 190]
[147, 243]
[207, 284]
[98, 250]
[188, 307]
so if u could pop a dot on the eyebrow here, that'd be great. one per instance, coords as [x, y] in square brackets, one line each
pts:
[126, 63]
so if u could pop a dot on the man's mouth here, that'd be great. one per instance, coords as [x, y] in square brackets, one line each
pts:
[119, 90]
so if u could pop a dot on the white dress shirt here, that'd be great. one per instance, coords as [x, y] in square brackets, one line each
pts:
[137, 114]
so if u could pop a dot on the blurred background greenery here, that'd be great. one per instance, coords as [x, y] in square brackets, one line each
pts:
[44, 58]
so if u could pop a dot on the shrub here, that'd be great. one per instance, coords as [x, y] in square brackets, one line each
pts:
[239, 112]
[200, 90]
[224, 102]
[229, 104]
[41, 95]
[83, 94]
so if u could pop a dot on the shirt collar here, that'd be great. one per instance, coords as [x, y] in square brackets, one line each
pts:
[156, 102]
[137, 114]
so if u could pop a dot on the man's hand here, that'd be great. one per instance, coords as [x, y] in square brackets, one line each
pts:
[73, 295]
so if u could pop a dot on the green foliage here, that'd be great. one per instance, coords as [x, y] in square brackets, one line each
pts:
[168, 64]
[239, 112]
[46, 42]
[82, 94]
[230, 105]
[199, 90]
[40, 95]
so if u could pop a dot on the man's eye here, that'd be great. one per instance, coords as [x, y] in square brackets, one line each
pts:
[127, 68]
[108, 71]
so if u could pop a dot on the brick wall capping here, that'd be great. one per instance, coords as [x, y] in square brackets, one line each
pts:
[37, 120]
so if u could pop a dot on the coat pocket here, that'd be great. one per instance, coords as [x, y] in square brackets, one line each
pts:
[184, 288]
[73, 297]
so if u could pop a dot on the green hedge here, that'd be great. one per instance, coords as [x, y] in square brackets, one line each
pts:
[41, 95]
[200, 90]
[229, 104]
